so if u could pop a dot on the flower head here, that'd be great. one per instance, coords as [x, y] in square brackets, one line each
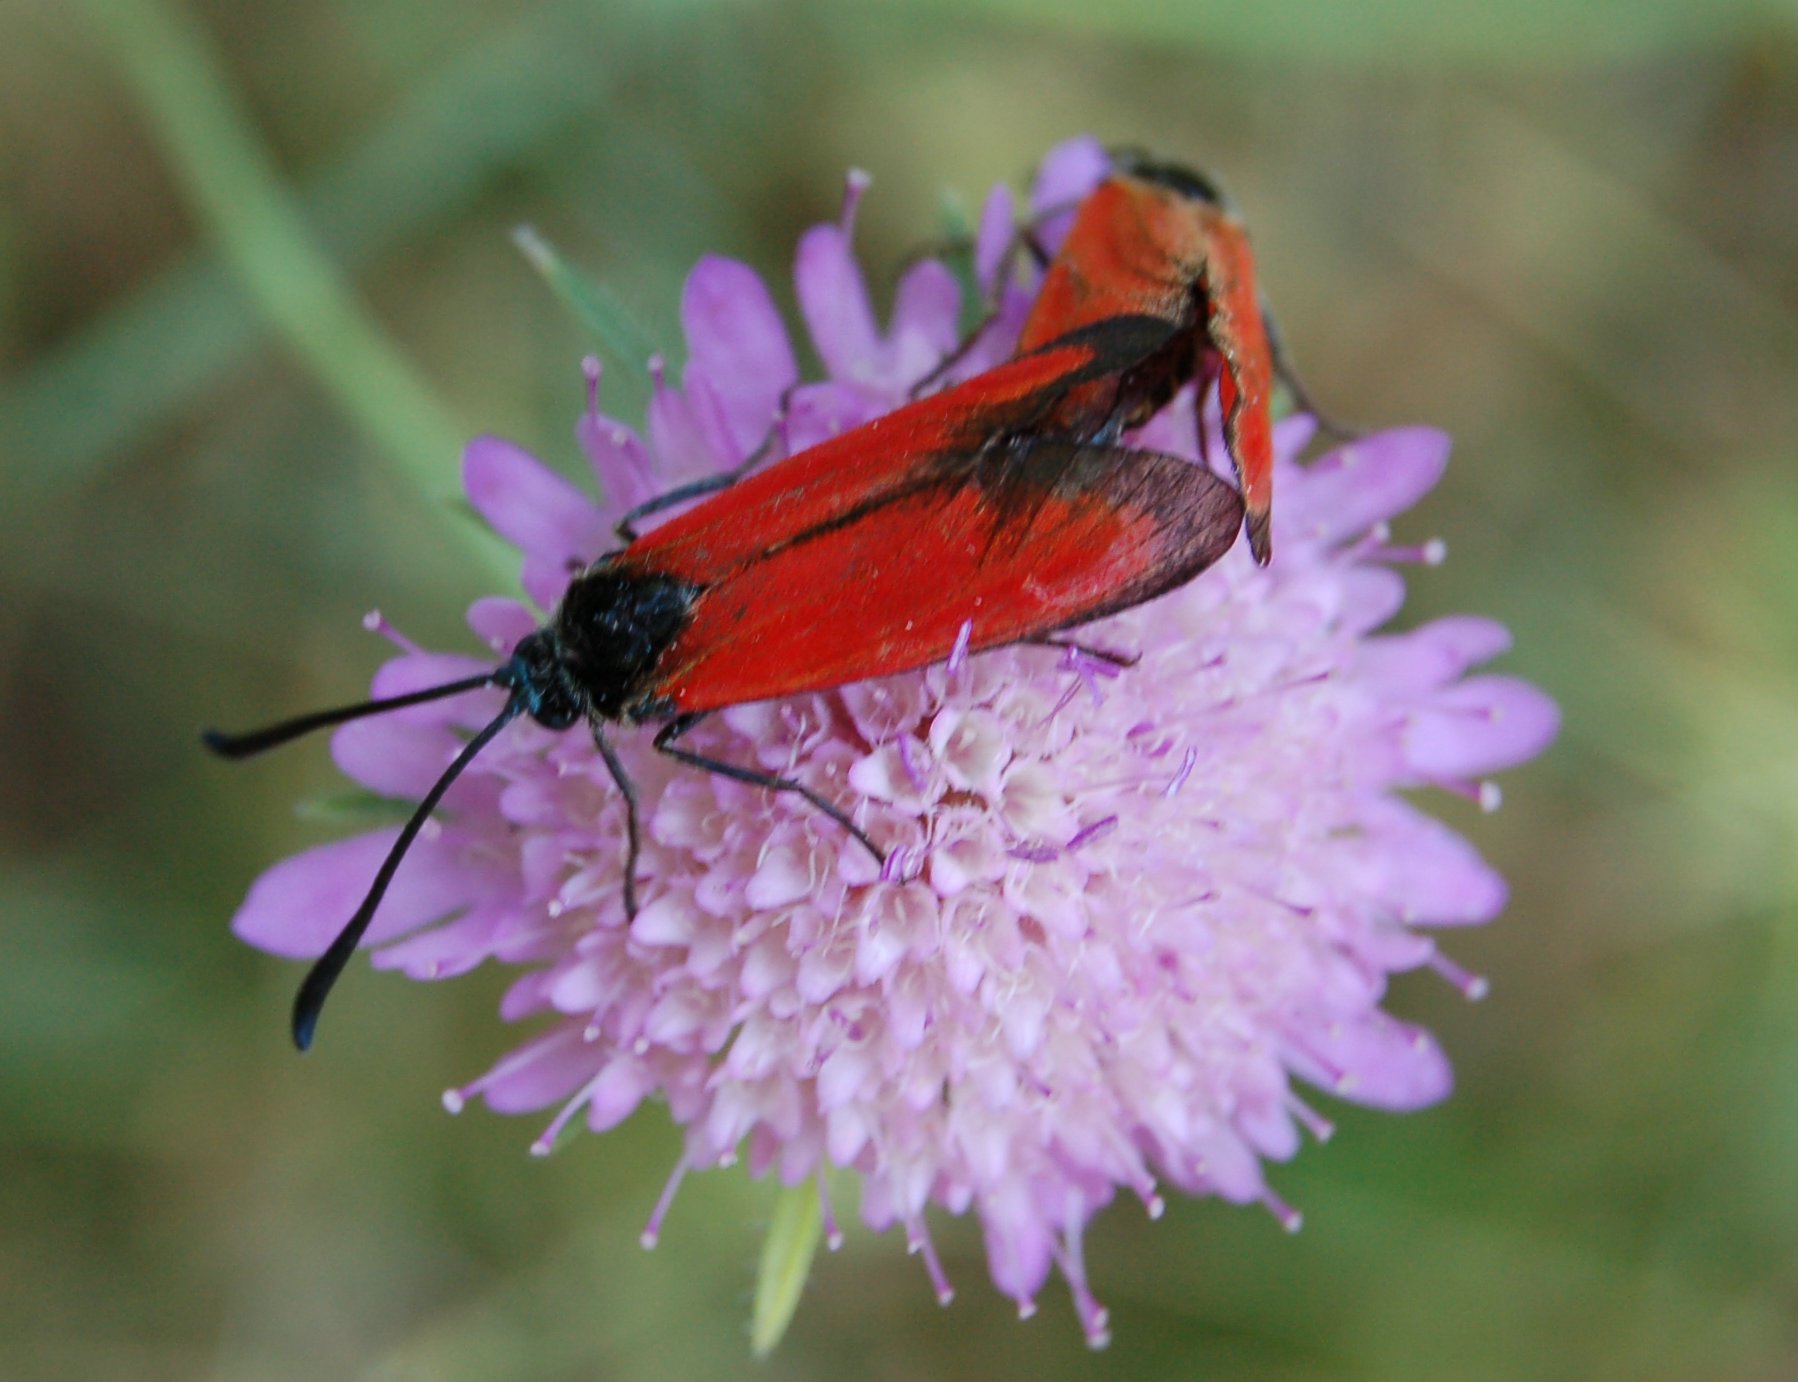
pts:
[1127, 911]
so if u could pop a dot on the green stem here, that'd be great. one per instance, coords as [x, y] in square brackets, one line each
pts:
[787, 1253]
[241, 203]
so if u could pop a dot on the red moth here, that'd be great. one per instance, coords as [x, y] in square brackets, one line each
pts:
[959, 518]
[1164, 244]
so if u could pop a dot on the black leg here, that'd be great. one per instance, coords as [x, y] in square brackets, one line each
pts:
[1283, 371]
[628, 790]
[1119, 660]
[952, 359]
[626, 527]
[664, 742]
[1024, 241]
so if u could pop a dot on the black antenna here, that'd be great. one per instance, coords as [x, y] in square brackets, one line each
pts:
[325, 970]
[323, 975]
[256, 741]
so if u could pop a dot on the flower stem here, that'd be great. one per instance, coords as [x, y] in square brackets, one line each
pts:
[787, 1254]
[241, 204]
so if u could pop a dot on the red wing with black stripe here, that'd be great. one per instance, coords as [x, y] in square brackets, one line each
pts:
[1045, 536]
[932, 440]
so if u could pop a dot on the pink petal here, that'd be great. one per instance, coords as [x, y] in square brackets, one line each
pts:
[1385, 1064]
[529, 505]
[500, 622]
[542, 1073]
[737, 343]
[1370, 595]
[926, 319]
[1420, 871]
[683, 436]
[401, 676]
[443, 952]
[616, 1093]
[394, 758]
[713, 415]
[1434, 655]
[668, 920]
[995, 237]
[299, 906]
[833, 297]
[786, 873]
[1353, 487]
[1480, 726]
[1068, 172]
[1470, 638]
[818, 412]
[1018, 1243]
[621, 463]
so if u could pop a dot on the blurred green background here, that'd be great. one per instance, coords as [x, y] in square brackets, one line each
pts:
[1568, 238]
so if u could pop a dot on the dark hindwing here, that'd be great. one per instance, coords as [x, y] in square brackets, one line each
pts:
[1147, 520]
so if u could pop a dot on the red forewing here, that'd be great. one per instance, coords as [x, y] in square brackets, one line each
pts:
[1246, 378]
[1049, 535]
[833, 482]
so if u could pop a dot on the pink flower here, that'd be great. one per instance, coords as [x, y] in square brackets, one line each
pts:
[1137, 909]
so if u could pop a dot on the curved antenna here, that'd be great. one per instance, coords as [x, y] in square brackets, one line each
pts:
[316, 987]
[257, 740]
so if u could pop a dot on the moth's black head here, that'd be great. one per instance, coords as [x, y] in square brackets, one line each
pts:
[597, 657]
[535, 675]
[1185, 181]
